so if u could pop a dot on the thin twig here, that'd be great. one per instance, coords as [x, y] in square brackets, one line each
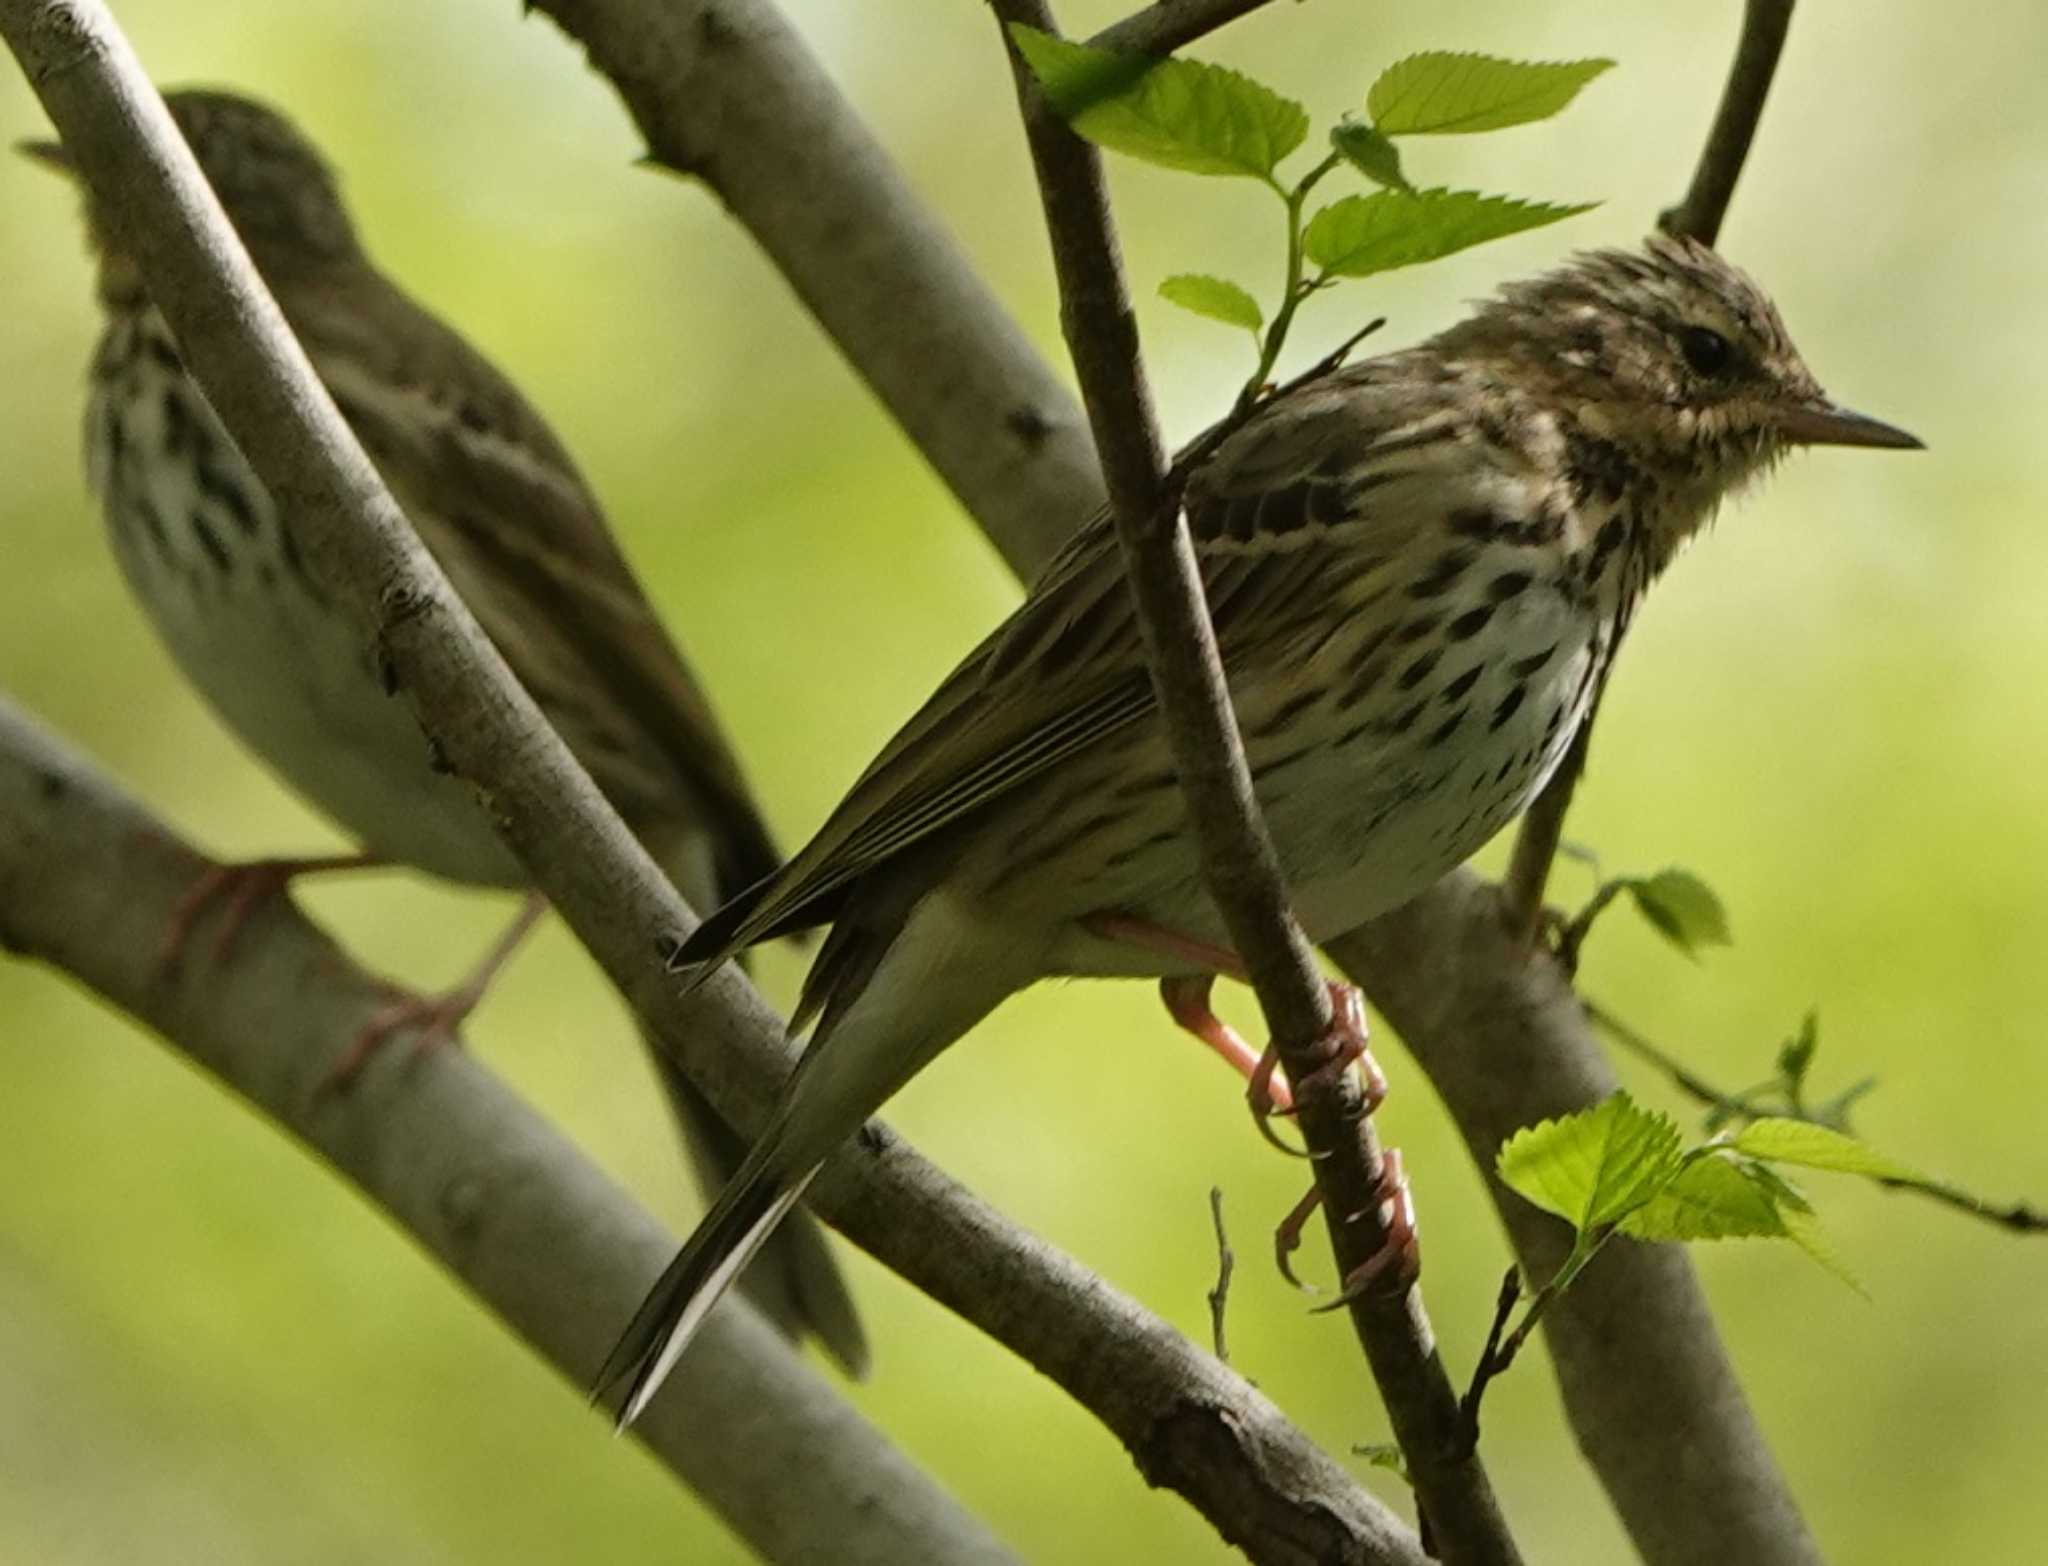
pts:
[1226, 1264]
[1236, 852]
[1171, 25]
[1191, 1424]
[2020, 1217]
[1491, 1359]
[1698, 216]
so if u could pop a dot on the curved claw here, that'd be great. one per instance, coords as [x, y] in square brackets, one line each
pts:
[1287, 1238]
[1400, 1255]
[437, 1017]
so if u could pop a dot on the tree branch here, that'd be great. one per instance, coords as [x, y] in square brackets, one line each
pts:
[1172, 24]
[1239, 864]
[1641, 1310]
[89, 883]
[726, 92]
[1698, 216]
[1190, 1423]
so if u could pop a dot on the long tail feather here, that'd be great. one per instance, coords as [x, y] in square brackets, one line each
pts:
[795, 1281]
[737, 1226]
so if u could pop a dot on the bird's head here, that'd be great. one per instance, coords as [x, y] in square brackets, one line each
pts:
[276, 188]
[1669, 353]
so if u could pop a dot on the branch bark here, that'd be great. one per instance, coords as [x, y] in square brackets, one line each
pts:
[1764, 25]
[89, 882]
[1240, 866]
[1190, 1423]
[1698, 216]
[1642, 1454]
[725, 91]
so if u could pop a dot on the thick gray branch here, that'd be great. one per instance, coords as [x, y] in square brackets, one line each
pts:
[1642, 1454]
[1190, 1423]
[724, 90]
[89, 883]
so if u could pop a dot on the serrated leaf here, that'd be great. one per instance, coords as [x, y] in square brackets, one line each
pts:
[1361, 235]
[1783, 1141]
[1592, 1167]
[1180, 114]
[1215, 297]
[1440, 92]
[1370, 152]
[1711, 1198]
[1682, 908]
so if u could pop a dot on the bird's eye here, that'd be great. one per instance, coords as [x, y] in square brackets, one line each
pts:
[1707, 351]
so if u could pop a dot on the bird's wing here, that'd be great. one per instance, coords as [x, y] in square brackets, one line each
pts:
[1266, 513]
[501, 506]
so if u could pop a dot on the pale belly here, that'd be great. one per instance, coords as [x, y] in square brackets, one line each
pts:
[1366, 819]
[285, 669]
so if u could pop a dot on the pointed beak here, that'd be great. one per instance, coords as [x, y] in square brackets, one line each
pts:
[1823, 423]
[48, 153]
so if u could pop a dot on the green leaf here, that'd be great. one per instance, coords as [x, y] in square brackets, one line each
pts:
[1711, 1198]
[1802, 1228]
[1180, 114]
[1795, 1056]
[1361, 235]
[1387, 1455]
[1440, 92]
[1682, 908]
[1372, 153]
[1801, 1142]
[1217, 298]
[1595, 1166]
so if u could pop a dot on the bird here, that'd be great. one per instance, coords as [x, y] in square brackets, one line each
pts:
[1419, 567]
[217, 569]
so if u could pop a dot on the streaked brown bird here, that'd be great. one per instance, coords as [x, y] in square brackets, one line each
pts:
[1419, 568]
[503, 509]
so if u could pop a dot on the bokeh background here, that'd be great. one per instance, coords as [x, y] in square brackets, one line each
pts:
[209, 1350]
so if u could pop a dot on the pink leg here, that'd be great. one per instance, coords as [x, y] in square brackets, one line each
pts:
[435, 1017]
[244, 888]
[1187, 1001]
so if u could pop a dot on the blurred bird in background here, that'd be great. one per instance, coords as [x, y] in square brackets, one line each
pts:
[501, 506]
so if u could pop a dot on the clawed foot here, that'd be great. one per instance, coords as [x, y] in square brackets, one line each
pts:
[1187, 1001]
[1399, 1257]
[243, 889]
[434, 1020]
[1266, 1087]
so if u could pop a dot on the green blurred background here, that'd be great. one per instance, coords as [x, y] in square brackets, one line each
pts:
[209, 1350]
